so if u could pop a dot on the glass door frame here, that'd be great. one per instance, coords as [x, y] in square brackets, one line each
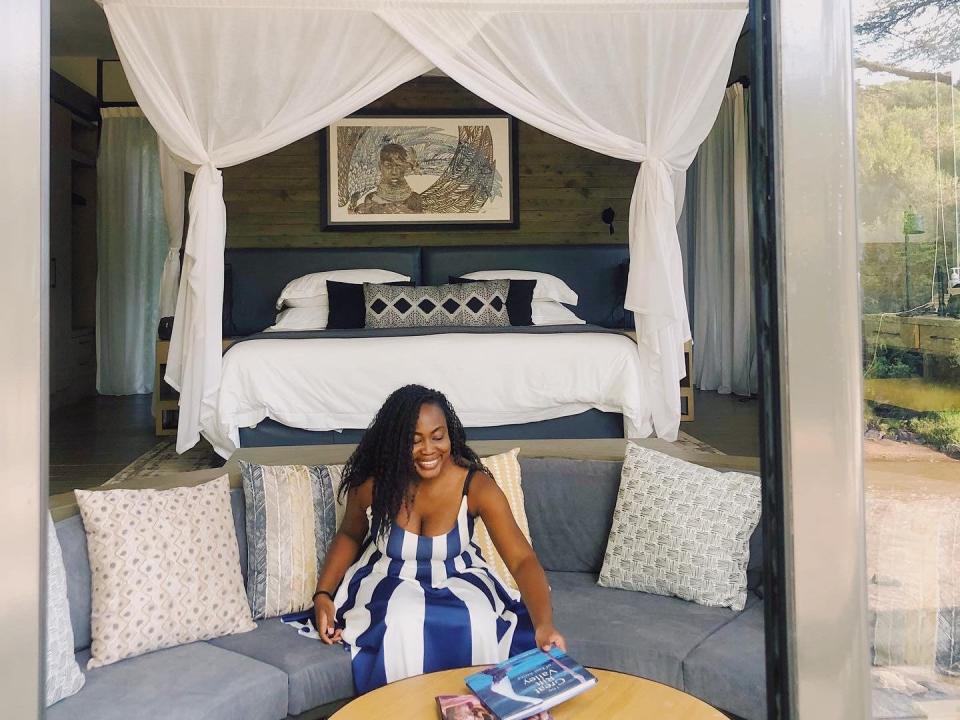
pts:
[806, 264]
[24, 309]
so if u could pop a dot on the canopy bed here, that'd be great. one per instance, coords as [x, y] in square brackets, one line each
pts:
[224, 81]
[305, 382]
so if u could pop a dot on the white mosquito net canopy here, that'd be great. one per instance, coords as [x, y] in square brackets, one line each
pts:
[225, 81]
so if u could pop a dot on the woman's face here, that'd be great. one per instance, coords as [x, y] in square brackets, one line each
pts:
[431, 442]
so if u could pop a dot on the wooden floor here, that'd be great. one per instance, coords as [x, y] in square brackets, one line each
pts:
[94, 439]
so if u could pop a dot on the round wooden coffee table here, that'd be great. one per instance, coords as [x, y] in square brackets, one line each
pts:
[616, 696]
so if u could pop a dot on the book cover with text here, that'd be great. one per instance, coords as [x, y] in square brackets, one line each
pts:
[529, 683]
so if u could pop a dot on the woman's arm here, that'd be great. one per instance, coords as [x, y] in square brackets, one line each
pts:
[494, 509]
[343, 551]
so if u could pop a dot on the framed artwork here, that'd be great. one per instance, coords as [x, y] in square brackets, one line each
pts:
[420, 172]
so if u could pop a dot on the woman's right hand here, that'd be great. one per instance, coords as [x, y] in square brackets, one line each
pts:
[324, 617]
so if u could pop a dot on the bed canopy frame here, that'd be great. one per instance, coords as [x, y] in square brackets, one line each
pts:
[225, 81]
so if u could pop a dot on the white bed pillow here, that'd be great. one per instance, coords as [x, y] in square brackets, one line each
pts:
[549, 287]
[301, 318]
[549, 312]
[311, 290]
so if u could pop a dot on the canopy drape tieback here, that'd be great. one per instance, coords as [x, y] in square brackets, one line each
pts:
[201, 296]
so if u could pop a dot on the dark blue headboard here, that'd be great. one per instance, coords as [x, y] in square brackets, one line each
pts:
[598, 273]
[254, 277]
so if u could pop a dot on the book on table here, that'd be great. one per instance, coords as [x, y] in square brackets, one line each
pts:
[529, 683]
[469, 707]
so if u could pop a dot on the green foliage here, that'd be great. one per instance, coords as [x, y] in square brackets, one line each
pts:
[897, 153]
[924, 31]
[938, 429]
[893, 363]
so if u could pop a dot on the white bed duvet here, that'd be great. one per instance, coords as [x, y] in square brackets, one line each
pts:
[491, 379]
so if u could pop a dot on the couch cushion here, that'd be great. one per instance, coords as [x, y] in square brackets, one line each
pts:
[189, 682]
[73, 545]
[165, 568]
[633, 632]
[318, 673]
[727, 669]
[569, 507]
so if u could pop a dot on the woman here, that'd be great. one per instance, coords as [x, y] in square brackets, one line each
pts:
[412, 592]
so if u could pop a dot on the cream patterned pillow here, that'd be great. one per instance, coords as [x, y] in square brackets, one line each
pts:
[506, 471]
[165, 569]
[681, 529]
[63, 674]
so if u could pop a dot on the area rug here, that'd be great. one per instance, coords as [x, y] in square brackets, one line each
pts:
[163, 459]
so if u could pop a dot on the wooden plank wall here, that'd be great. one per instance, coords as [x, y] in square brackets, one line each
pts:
[274, 200]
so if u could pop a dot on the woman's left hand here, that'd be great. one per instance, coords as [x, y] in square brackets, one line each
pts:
[547, 636]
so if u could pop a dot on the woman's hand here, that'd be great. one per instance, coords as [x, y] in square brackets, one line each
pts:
[324, 616]
[547, 636]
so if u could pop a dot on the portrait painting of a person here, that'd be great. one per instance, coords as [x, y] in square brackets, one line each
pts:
[393, 194]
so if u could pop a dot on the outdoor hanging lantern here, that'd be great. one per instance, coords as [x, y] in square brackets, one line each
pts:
[912, 222]
[912, 225]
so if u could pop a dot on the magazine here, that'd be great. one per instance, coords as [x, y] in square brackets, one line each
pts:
[530, 683]
[468, 707]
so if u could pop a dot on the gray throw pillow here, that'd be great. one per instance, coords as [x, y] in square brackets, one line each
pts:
[681, 529]
[471, 304]
[64, 677]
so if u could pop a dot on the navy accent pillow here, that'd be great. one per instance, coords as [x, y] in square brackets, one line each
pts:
[347, 308]
[519, 299]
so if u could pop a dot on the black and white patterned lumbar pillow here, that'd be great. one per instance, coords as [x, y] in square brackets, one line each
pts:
[681, 529]
[472, 304]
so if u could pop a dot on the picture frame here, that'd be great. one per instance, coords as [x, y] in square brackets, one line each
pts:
[420, 171]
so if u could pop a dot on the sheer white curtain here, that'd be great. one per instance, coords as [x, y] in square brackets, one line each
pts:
[634, 80]
[724, 324]
[171, 178]
[224, 81]
[131, 245]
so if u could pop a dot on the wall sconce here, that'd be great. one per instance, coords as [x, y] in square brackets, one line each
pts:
[607, 216]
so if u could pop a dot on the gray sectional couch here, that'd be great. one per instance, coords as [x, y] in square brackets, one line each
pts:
[271, 673]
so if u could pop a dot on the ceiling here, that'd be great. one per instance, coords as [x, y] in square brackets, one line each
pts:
[79, 28]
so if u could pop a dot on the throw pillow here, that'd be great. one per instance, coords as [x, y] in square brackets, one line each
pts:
[347, 311]
[164, 567]
[549, 287]
[506, 471]
[681, 529]
[550, 312]
[310, 290]
[63, 674]
[291, 521]
[519, 298]
[474, 304]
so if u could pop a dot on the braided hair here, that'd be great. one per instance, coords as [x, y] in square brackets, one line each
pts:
[385, 452]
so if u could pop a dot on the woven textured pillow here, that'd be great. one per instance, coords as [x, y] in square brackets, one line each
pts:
[63, 674]
[291, 521]
[474, 304]
[681, 529]
[506, 471]
[164, 567]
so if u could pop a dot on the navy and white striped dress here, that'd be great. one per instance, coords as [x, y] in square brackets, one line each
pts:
[414, 604]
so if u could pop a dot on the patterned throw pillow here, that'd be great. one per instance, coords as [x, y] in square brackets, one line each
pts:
[681, 529]
[506, 471]
[165, 569]
[63, 674]
[475, 304]
[291, 521]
